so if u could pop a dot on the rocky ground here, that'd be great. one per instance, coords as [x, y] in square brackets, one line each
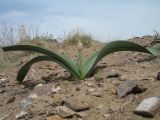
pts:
[122, 80]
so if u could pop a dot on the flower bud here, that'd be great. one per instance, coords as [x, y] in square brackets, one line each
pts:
[79, 45]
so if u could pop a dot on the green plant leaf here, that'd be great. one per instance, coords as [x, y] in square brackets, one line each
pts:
[89, 63]
[112, 47]
[77, 71]
[62, 60]
[24, 69]
[154, 50]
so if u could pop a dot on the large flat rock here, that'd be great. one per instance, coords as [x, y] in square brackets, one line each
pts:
[78, 103]
[126, 87]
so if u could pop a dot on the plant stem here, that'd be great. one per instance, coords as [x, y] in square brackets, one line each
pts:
[80, 62]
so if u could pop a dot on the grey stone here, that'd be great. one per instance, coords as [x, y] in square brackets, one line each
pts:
[3, 81]
[113, 75]
[82, 115]
[25, 104]
[148, 107]
[64, 111]
[50, 112]
[21, 115]
[42, 89]
[10, 100]
[126, 87]
[158, 76]
[78, 103]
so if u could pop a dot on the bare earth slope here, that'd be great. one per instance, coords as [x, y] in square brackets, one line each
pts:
[48, 86]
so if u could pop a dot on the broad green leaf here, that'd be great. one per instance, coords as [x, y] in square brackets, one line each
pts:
[24, 70]
[89, 63]
[154, 50]
[69, 64]
[116, 46]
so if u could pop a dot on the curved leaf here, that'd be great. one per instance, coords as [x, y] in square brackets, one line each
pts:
[90, 62]
[154, 50]
[24, 69]
[68, 63]
[116, 46]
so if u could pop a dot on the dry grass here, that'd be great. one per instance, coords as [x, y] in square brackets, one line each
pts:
[74, 36]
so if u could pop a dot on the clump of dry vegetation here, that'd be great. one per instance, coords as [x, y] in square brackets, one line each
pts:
[156, 39]
[74, 36]
[22, 34]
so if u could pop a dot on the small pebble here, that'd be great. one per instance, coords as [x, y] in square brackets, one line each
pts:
[10, 100]
[158, 76]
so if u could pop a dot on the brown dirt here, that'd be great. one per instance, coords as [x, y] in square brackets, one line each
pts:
[105, 105]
